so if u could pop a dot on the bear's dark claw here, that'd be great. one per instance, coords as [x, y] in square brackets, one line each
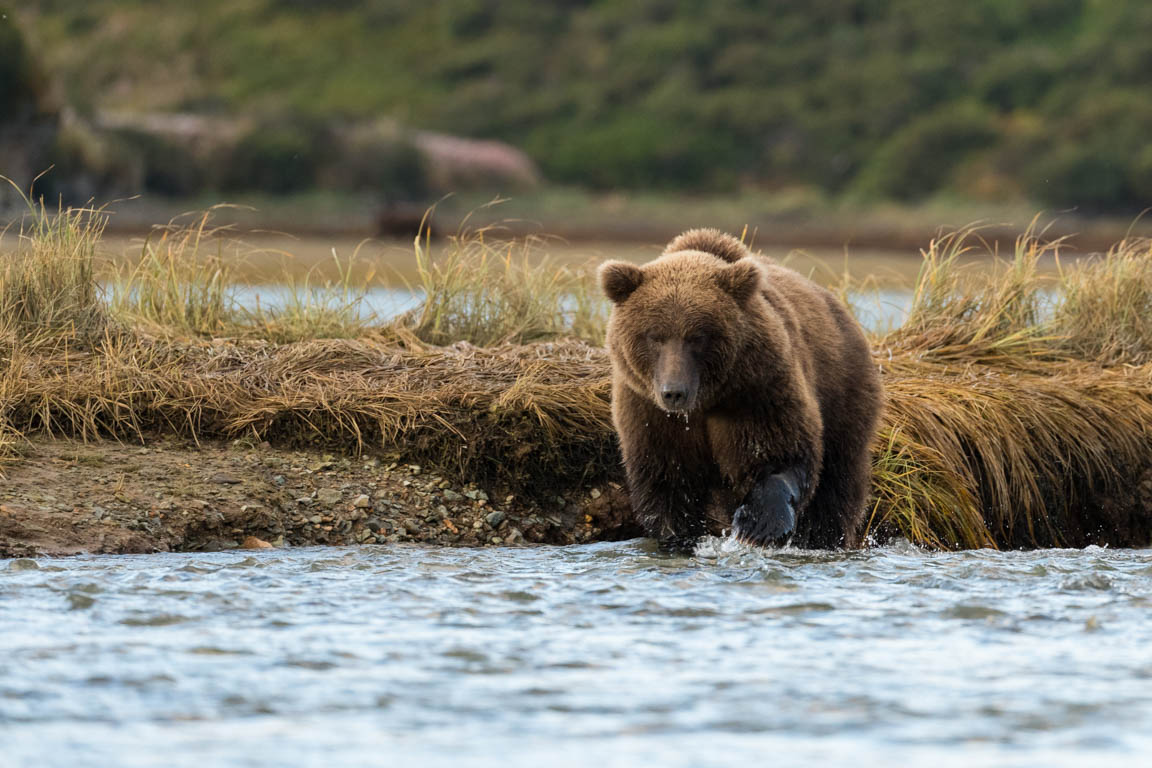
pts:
[768, 514]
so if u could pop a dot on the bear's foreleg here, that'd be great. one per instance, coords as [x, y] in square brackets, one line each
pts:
[670, 472]
[773, 457]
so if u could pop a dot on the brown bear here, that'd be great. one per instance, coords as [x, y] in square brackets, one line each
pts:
[738, 383]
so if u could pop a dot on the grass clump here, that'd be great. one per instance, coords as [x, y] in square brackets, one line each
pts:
[181, 283]
[1106, 311]
[48, 288]
[312, 309]
[488, 291]
[185, 284]
[961, 314]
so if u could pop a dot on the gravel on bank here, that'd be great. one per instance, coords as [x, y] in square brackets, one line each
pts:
[65, 497]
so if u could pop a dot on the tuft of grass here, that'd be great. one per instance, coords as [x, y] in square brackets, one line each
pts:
[487, 291]
[991, 315]
[308, 309]
[48, 291]
[917, 495]
[182, 283]
[1105, 312]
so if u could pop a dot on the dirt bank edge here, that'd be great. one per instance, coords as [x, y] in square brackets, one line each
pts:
[64, 497]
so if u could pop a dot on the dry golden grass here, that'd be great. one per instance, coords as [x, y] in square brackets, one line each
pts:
[48, 289]
[1106, 312]
[504, 415]
[182, 283]
[486, 290]
[185, 284]
[1019, 410]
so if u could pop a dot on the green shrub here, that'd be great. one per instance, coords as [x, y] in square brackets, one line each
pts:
[165, 166]
[279, 157]
[918, 159]
[23, 91]
[635, 150]
[1093, 156]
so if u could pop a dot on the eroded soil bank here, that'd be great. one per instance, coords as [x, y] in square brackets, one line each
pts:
[70, 497]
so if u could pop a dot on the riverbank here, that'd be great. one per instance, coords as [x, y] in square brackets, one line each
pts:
[1019, 406]
[971, 454]
[66, 497]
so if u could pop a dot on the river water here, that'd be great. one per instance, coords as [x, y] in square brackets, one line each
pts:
[607, 654]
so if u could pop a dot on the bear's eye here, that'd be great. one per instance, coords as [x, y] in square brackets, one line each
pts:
[696, 339]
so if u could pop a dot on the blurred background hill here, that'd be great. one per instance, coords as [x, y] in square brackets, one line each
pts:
[1012, 104]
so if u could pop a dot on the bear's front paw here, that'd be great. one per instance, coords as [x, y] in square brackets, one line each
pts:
[768, 514]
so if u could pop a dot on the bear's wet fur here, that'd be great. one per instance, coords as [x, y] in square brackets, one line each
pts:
[743, 394]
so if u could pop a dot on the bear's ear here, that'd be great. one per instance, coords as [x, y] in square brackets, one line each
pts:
[618, 279]
[740, 280]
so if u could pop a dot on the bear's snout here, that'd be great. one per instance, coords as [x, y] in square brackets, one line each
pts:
[677, 380]
[674, 398]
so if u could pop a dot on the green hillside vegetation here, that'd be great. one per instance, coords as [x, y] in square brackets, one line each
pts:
[1041, 100]
[23, 93]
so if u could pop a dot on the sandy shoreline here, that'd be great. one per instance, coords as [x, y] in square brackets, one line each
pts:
[66, 497]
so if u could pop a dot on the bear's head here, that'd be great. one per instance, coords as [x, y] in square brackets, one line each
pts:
[680, 323]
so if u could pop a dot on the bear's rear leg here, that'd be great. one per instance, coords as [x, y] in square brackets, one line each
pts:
[833, 518]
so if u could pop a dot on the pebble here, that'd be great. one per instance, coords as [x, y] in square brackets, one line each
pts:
[278, 479]
[411, 526]
[594, 493]
[328, 496]
[223, 478]
[252, 542]
[23, 564]
[450, 495]
[327, 462]
[495, 517]
[362, 501]
[476, 495]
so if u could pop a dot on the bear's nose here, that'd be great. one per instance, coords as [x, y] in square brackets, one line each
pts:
[673, 398]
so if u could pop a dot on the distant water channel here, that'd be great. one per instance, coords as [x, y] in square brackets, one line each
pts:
[604, 655]
[880, 310]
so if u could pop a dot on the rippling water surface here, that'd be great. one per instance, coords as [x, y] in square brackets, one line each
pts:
[605, 655]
